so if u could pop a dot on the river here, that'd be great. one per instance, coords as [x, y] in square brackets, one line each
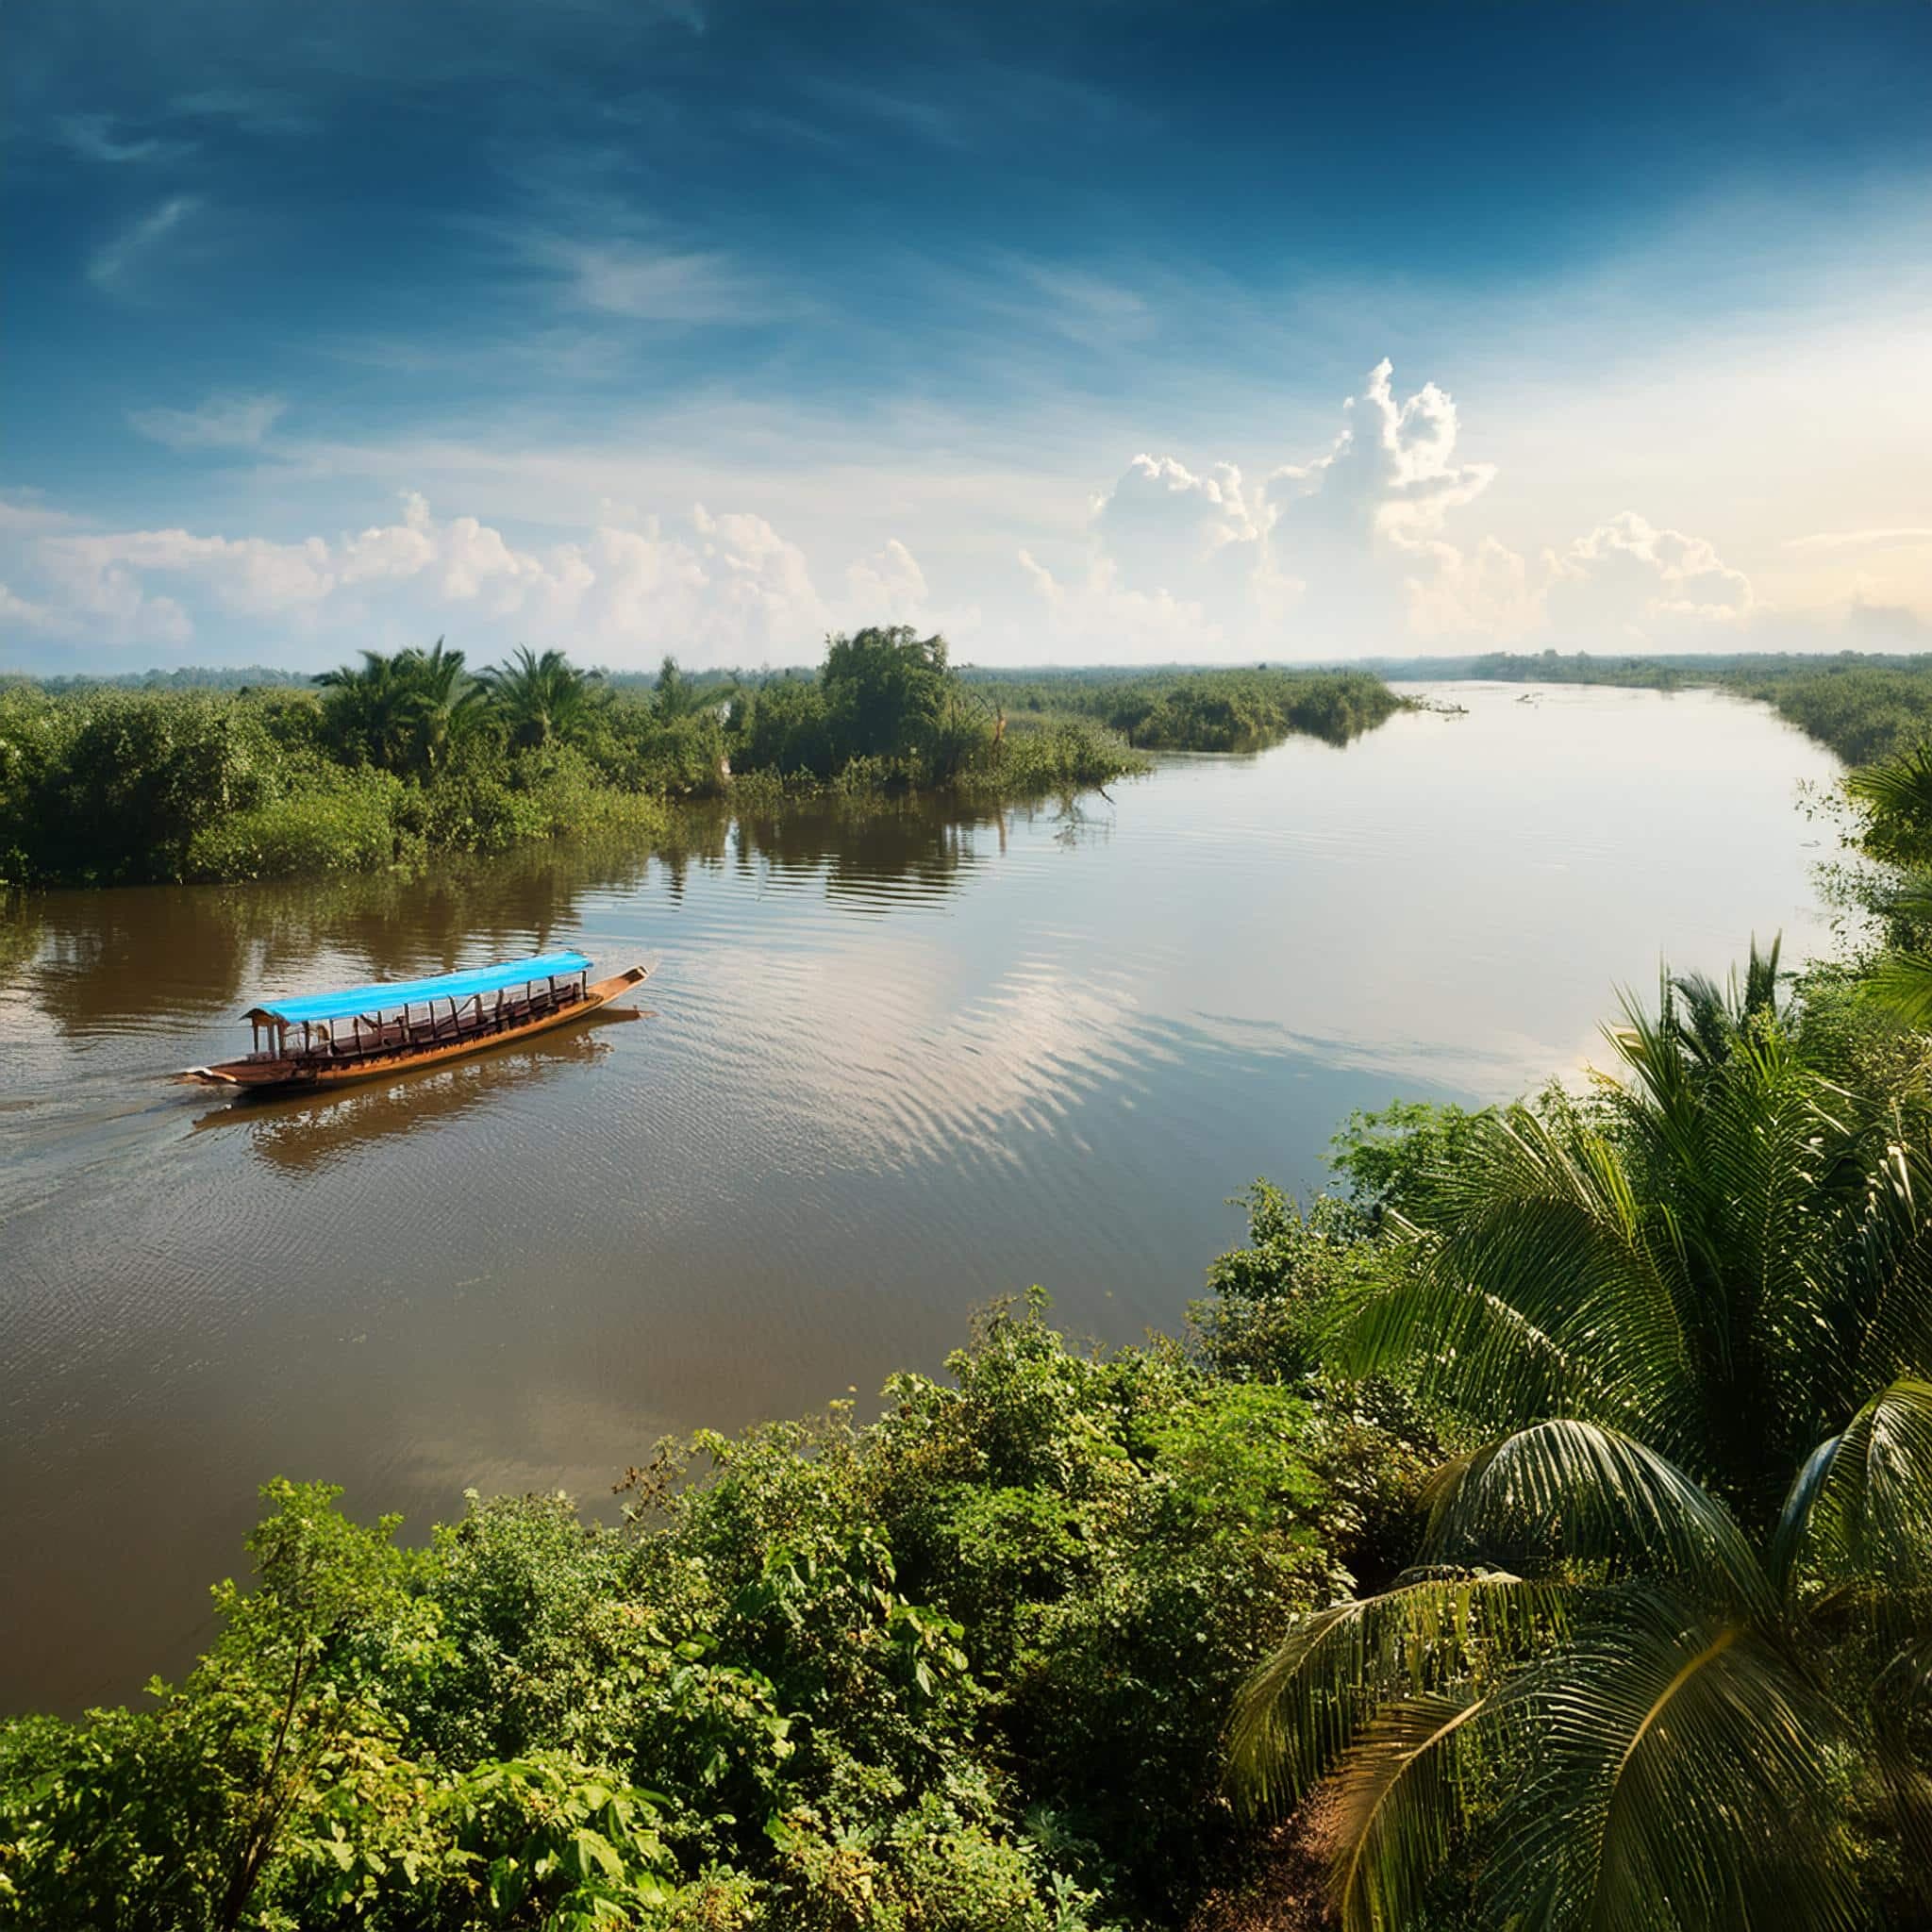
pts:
[893, 1066]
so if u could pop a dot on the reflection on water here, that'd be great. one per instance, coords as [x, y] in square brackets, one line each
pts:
[308, 1130]
[901, 1060]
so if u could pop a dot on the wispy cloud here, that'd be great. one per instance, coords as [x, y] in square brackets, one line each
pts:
[116, 264]
[224, 422]
[1089, 309]
[93, 137]
[904, 113]
[25, 516]
[1863, 540]
[652, 284]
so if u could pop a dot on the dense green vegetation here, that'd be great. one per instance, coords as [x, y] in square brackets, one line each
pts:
[1662, 1656]
[967, 1667]
[394, 758]
[1203, 710]
[397, 758]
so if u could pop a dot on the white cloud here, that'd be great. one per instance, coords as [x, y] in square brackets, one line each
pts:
[1326, 557]
[1630, 571]
[889, 584]
[718, 589]
[223, 422]
[1383, 539]
[115, 265]
[1358, 551]
[32, 616]
[30, 518]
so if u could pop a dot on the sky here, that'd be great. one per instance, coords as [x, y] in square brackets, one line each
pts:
[1093, 332]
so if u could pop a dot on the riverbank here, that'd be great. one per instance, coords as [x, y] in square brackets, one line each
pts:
[403, 760]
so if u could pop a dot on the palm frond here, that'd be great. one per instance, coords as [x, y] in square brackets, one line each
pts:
[1430, 1632]
[1862, 1501]
[1685, 1782]
[1901, 983]
[1395, 1808]
[1897, 788]
[1546, 1290]
[1885, 1324]
[1900, 1699]
[1572, 1491]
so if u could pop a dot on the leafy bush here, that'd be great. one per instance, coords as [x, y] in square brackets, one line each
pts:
[345, 822]
[966, 1668]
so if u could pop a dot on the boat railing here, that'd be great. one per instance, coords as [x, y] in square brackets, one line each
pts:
[374, 1035]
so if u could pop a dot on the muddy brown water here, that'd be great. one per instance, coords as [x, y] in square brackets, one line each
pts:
[895, 1066]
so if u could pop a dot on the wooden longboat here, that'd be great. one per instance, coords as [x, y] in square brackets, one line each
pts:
[329, 1038]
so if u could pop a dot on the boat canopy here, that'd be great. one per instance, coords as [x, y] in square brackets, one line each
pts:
[410, 993]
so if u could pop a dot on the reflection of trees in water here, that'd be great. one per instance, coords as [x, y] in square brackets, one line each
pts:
[93, 960]
[1074, 824]
[922, 847]
[305, 1132]
[21, 931]
[114, 953]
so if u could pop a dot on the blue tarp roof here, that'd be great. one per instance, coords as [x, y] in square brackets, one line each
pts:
[382, 999]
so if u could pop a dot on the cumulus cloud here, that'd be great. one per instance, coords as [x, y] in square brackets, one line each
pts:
[1630, 566]
[1362, 549]
[715, 589]
[890, 583]
[1324, 556]
[222, 422]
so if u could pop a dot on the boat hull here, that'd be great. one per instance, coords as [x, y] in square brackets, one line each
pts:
[309, 1072]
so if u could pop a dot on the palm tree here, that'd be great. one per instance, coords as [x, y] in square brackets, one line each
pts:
[400, 712]
[1653, 1723]
[372, 707]
[1895, 796]
[542, 701]
[1682, 1602]
[447, 699]
[678, 697]
[1723, 1266]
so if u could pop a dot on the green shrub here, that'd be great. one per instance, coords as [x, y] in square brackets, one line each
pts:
[346, 821]
[966, 1668]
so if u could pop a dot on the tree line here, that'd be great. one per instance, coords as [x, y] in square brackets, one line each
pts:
[1206, 710]
[400, 756]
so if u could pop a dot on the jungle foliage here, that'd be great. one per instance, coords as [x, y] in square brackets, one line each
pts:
[1542, 1528]
[1539, 1534]
[396, 757]
[1662, 1653]
[966, 1668]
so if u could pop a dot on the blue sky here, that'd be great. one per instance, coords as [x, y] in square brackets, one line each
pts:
[1088, 332]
